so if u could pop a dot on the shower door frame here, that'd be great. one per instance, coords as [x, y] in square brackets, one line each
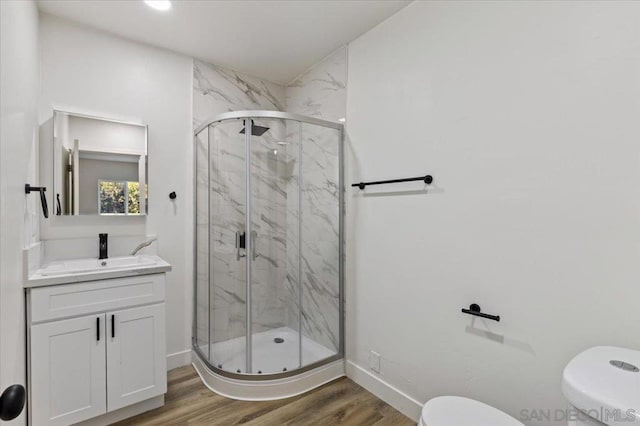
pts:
[248, 115]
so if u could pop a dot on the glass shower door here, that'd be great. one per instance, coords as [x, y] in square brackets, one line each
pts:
[274, 246]
[227, 246]
[268, 245]
[320, 249]
[201, 296]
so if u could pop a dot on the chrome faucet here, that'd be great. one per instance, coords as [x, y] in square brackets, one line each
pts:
[141, 246]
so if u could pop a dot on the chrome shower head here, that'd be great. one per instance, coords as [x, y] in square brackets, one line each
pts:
[255, 130]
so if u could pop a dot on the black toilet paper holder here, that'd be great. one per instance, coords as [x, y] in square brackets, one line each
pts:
[474, 309]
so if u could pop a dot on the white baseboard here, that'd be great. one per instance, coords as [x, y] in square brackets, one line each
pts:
[178, 359]
[383, 390]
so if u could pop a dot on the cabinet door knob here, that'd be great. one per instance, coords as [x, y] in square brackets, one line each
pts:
[12, 402]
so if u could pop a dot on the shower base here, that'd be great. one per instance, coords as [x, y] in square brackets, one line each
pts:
[270, 358]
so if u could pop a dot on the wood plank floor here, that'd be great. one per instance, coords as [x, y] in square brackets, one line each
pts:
[341, 402]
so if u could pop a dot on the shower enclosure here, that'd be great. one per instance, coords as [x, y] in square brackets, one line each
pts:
[269, 251]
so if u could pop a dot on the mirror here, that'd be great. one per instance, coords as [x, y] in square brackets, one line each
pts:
[99, 166]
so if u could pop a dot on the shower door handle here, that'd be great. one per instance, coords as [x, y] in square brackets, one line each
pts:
[240, 244]
[254, 239]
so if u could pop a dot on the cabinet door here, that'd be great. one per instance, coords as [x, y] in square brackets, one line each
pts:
[136, 355]
[68, 378]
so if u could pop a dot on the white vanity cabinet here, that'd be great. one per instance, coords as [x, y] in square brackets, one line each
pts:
[95, 347]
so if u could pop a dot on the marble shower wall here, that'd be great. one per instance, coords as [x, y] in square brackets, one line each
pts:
[320, 252]
[320, 92]
[217, 90]
[277, 198]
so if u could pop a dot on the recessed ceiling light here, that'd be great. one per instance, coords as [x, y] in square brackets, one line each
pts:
[159, 4]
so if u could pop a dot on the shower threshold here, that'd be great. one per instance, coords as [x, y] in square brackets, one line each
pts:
[320, 365]
[270, 356]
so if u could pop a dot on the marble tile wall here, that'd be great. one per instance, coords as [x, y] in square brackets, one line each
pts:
[320, 92]
[320, 239]
[217, 90]
[277, 199]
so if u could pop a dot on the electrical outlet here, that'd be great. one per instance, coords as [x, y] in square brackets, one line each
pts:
[374, 361]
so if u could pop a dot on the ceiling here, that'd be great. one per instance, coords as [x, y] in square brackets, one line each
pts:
[273, 39]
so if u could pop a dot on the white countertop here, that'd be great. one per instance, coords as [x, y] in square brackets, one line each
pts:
[92, 269]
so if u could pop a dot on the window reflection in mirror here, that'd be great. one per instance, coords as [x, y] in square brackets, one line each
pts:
[119, 198]
[99, 166]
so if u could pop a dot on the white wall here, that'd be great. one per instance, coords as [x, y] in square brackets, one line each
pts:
[109, 136]
[93, 73]
[526, 114]
[18, 130]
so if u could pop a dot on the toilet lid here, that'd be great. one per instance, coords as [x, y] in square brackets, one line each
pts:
[459, 411]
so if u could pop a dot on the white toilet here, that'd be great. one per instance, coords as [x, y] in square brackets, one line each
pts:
[602, 385]
[459, 411]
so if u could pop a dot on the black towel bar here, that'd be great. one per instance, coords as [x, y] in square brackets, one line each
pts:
[426, 179]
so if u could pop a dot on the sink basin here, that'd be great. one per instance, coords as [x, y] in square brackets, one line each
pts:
[83, 266]
[604, 383]
[78, 270]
